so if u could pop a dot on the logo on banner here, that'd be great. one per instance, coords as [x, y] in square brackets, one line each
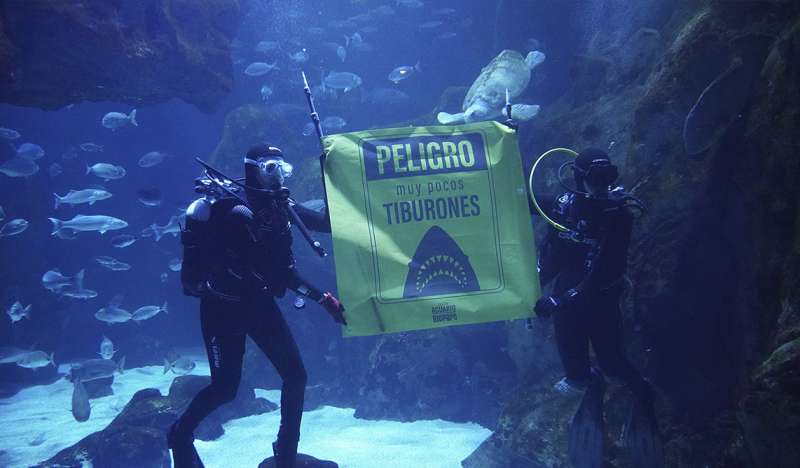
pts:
[439, 266]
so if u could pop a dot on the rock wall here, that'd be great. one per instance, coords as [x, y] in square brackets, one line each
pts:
[713, 267]
[53, 54]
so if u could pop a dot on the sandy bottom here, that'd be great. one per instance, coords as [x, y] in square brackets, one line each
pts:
[37, 423]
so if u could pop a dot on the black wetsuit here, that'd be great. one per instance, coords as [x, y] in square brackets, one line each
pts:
[592, 264]
[251, 264]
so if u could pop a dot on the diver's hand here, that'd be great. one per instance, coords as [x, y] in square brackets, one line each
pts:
[547, 306]
[333, 307]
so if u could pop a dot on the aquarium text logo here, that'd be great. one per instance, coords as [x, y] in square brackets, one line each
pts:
[430, 154]
[443, 312]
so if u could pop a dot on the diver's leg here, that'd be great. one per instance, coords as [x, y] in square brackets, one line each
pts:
[225, 350]
[641, 436]
[573, 344]
[271, 333]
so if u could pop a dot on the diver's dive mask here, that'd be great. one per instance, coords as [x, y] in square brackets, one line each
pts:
[271, 171]
[599, 173]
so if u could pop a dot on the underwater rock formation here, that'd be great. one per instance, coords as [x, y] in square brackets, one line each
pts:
[713, 275]
[303, 461]
[137, 53]
[137, 436]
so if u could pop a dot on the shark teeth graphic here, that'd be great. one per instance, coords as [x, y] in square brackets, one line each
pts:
[439, 267]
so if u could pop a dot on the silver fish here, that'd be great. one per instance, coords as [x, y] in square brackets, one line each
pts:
[401, 73]
[152, 158]
[54, 281]
[67, 234]
[172, 227]
[112, 263]
[260, 68]
[115, 120]
[180, 366]
[76, 197]
[55, 170]
[106, 348]
[11, 354]
[175, 264]
[106, 171]
[93, 369]
[9, 134]
[79, 293]
[17, 312]
[146, 312]
[81, 409]
[112, 314]
[333, 122]
[19, 167]
[14, 227]
[30, 151]
[35, 360]
[123, 240]
[149, 196]
[90, 147]
[266, 47]
[342, 80]
[100, 223]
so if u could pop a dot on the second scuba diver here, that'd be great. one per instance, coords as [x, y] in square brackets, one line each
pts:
[237, 259]
[586, 265]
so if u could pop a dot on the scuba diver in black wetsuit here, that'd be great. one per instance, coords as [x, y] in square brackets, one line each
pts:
[586, 265]
[237, 258]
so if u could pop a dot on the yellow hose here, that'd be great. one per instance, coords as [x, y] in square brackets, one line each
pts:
[570, 152]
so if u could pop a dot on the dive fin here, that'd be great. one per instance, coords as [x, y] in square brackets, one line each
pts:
[641, 436]
[587, 430]
[447, 119]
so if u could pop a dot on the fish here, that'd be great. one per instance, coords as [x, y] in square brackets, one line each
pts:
[431, 24]
[9, 134]
[164, 277]
[112, 314]
[35, 360]
[260, 68]
[11, 354]
[112, 263]
[116, 120]
[94, 369]
[265, 47]
[172, 227]
[79, 293]
[69, 154]
[308, 129]
[19, 167]
[265, 92]
[356, 38]
[180, 366]
[17, 312]
[123, 240]
[147, 232]
[90, 147]
[55, 170]
[401, 73]
[81, 409]
[301, 56]
[38, 440]
[30, 151]
[152, 158]
[106, 348]
[175, 264]
[385, 96]
[341, 52]
[14, 227]
[106, 171]
[342, 80]
[149, 196]
[99, 223]
[67, 234]
[55, 281]
[333, 122]
[76, 197]
[410, 3]
[443, 11]
[146, 312]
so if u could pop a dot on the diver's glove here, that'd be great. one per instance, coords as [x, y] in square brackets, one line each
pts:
[334, 307]
[548, 305]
